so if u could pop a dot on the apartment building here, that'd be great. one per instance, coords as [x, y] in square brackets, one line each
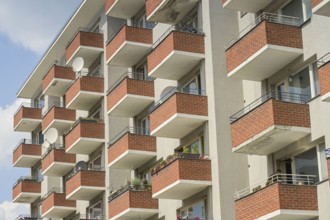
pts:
[134, 113]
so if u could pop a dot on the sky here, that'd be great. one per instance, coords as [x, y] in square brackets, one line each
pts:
[27, 28]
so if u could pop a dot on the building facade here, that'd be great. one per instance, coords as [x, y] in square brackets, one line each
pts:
[134, 113]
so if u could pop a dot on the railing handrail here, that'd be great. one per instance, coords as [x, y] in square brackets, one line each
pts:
[52, 147]
[55, 63]
[130, 75]
[281, 96]
[86, 217]
[290, 179]
[27, 216]
[25, 178]
[28, 105]
[82, 119]
[24, 141]
[323, 60]
[131, 130]
[174, 90]
[270, 17]
[82, 29]
[80, 75]
[53, 190]
[59, 104]
[94, 168]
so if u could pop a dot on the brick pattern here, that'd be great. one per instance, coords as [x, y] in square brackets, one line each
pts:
[265, 33]
[151, 5]
[132, 34]
[315, 2]
[180, 41]
[184, 169]
[59, 72]
[84, 83]
[84, 130]
[272, 112]
[109, 4]
[26, 150]
[56, 199]
[57, 155]
[90, 178]
[58, 113]
[132, 199]
[132, 87]
[26, 113]
[131, 142]
[178, 103]
[275, 197]
[83, 38]
[26, 187]
[324, 78]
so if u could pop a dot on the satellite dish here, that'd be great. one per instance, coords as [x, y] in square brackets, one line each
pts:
[45, 144]
[51, 135]
[78, 64]
[81, 165]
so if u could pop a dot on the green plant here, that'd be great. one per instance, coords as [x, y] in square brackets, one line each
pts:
[185, 149]
[195, 149]
[136, 182]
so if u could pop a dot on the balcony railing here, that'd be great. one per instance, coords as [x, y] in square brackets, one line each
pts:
[52, 104]
[53, 146]
[29, 105]
[25, 141]
[132, 130]
[282, 96]
[323, 60]
[82, 168]
[27, 217]
[86, 217]
[26, 179]
[53, 190]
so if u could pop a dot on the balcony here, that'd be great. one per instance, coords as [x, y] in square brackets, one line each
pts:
[55, 162]
[170, 12]
[323, 65]
[130, 203]
[26, 154]
[181, 176]
[264, 47]
[27, 118]
[84, 93]
[26, 217]
[86, 217]
[270, 123]
[129, 44]
[281, 196]
[131, 148]
[85, 136]
[26, 190]
[252, 6]
[58, 117]
[126, 9]
[175, 54]
[177, 114]
[130, 94]
[85, 184]
[57, 80]
[55, 205]
[87, 45]
[321, 7]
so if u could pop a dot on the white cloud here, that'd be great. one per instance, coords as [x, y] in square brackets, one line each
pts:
[34, 24]
[10, 211]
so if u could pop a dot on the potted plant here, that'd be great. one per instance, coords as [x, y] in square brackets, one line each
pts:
[136, 183]
[144, 182]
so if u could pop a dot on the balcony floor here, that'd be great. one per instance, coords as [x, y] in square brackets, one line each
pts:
[57, 87]
[27, 161]
[26, 197]
[27, 125]
[58, 169]
[323, 8]
[84, 100]
[61, 126]
[125, 8]
[85, 193]
[58, 212]
[284, 214]
[252, 6]
[132, 159]
[85, 146]
[135, 213]
[90, 54]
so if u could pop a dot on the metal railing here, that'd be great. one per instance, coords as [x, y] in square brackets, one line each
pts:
[273, 18]
[281, 96]
[172, 92]
[290, 179]
[132, 130]
[82, 29]
[29, 105]
[57, 63]
[96, 74]
[323, 60]
[52, 104]
[86, 217]
[25, 179]
[130, 75]
[52, 146]
[24, 141]
[81, 120]
[87, 168]
[27, 217]
[53, 190]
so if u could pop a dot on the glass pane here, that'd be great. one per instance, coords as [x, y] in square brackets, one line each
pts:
[198, 210]
[306, 164]
[323, 158]
[300, 84]
[316, 79]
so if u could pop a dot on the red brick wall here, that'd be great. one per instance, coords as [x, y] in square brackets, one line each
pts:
[272, 112]
[133, 34]
[26, 149]
[85, 83]
[264, 33]
[58, 113]
[26, 186]
[315, 2]
[85, 178]
[275, 197]
[59, 72]
[131, 142]
[132, 199]
[151, 5]
[324, 78]
[56, 199]
[84, 130]
[178, 103]
[29, 113]
[108, 4]
[180, 41]
[84, 39]
[57, 155]
[130, 86]
[187, 169]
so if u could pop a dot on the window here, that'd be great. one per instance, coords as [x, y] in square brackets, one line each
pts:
[196, 147]
[145, 126]
[196, 211]
[40, 138]
[193, 86]
[95, 164]
[95, 211]
[306, 164]
[300, 83]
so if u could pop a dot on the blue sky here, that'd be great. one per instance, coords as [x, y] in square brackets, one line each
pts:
[26, 30]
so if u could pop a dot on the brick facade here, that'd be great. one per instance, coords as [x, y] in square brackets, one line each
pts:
[26, 113]
[151, 5]
[56, 200]
[131, 142]
[83, 38]
[181, 169]
[178, 103]
[272, 112]
[324, 78]
[58, 113]
[275, 197]
[263, 34]
[132, 199]
[57, 155]
[26, 187]
[132, 87]
[180, 41]
[26, 150]
[84, 83]
[315, 2]
[58, 72]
